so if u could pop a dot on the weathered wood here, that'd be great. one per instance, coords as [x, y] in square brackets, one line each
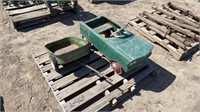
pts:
[138, 87]
[42, 52]
[80, 92]
[177, 53]
[46, 68]
[177, 28]
[25, 10]
[156, 39]
[185, 11]
[42, 59]
[117, 92]
[70, 67]
[141, 30]
[164, 30]
[64, 81]
[28, 9]
[80, 84]
[19, 7]
[30, 15]
[38, 14]
[170, 10]
[168, 37]
[92, 92]
[177, 17]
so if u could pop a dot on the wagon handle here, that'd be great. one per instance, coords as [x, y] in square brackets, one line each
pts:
[97, 72]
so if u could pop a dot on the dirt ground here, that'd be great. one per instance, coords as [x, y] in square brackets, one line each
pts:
[23, 88]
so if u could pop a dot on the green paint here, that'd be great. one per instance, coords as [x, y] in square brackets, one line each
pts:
[125, 48]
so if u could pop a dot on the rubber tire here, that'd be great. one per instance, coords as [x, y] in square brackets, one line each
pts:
[54, 63]
[116, 67]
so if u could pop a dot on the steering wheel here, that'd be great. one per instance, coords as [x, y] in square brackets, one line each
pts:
[119, 30]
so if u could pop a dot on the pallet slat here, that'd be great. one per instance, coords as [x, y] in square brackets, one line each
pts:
[176, 53]
[31, 15]
[97, 106]
[77, 74]
[28, 9]
[70, 67]
[91, 93]
[79, 85]
[86, 85]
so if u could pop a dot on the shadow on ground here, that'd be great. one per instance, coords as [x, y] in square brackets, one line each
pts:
[114, 2]
[1, 104]
[66, 18]
[157, 84]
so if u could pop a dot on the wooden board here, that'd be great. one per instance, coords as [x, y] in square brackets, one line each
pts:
[28, 9]
[176, 52]
[29, 4]
[78, 88]
[33, 14]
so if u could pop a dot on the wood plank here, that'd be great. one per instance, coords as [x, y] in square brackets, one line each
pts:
[91, 93]
[80, 84]
[118, 92]
[138, 87]
[142, 30]
[39, 14]
[43, 51]
[94, 91]
[25, 10]
[46, 68]
[70, 67]
[28, 9]
[42, 59]
[30, 15]
[64, 81]
[141, 24]
[19, 7]
[154, 38]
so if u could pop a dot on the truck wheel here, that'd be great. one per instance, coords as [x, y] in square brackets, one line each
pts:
[116, 67]
[54, 63]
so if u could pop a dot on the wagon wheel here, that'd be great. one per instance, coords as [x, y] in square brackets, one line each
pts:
[116, 67]
[54, 63]
[48, 4]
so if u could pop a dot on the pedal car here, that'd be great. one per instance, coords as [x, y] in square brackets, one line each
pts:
[124, 49]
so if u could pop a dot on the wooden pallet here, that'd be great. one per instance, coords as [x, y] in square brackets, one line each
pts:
[78, 88]
[176, 52]
[25, 16]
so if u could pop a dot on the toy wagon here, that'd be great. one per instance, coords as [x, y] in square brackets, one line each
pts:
[124, 49]
[66, 50]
